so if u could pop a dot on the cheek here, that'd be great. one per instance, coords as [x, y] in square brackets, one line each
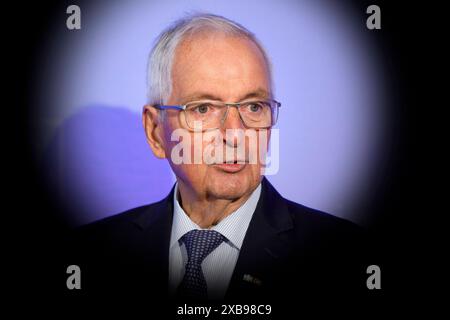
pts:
[174, 135]
[263, 145]
[193, 172]
[255, 170]
[258, 148]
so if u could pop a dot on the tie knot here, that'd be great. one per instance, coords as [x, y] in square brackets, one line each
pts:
[200, 243]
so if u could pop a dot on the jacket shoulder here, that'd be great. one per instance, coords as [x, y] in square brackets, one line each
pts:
[117, 220]
[318, 224]
[306, 214]
[121, 223]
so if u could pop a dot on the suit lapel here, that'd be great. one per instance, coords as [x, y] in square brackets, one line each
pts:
[265, 245]
[154, 241]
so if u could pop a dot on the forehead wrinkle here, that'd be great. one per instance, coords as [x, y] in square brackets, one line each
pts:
[199, 62]
[209, 74]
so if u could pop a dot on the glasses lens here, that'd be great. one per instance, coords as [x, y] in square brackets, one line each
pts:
[259, 114]
[206, 114]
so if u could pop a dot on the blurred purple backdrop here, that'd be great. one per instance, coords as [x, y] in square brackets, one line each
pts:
[93, 86]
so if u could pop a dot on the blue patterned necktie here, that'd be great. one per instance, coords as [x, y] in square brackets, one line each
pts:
[199, 244]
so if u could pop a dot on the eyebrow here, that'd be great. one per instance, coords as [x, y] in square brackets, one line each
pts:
[258, 93]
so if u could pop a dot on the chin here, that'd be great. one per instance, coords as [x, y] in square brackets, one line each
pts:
[230, 186]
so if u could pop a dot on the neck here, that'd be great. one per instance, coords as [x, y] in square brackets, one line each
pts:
[208, 211]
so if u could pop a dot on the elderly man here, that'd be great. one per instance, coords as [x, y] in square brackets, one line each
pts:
[223, 232]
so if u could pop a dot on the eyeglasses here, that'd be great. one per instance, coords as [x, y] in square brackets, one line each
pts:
[212, 114]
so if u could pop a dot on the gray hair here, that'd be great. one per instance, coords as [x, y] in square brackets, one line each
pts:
[159, 80]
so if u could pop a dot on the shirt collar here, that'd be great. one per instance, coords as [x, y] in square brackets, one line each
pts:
[233, 227]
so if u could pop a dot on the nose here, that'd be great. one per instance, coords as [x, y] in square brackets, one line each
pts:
[233, 119]
[232, 122]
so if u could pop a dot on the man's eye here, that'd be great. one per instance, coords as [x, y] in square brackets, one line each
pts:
[255, 107]
[202, 108]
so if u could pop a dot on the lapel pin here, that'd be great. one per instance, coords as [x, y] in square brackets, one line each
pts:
[249, 278]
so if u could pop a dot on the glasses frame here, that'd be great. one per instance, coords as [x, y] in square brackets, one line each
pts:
[227, 105]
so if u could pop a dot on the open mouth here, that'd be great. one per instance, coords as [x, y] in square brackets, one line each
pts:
[231, 166]
[236, 162]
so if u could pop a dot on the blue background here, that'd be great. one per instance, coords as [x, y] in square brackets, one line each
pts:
[92, 82]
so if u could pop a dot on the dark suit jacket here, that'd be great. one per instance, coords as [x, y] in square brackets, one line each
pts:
[289, 251]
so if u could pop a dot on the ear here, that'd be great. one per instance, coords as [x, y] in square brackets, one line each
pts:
[153, 130]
